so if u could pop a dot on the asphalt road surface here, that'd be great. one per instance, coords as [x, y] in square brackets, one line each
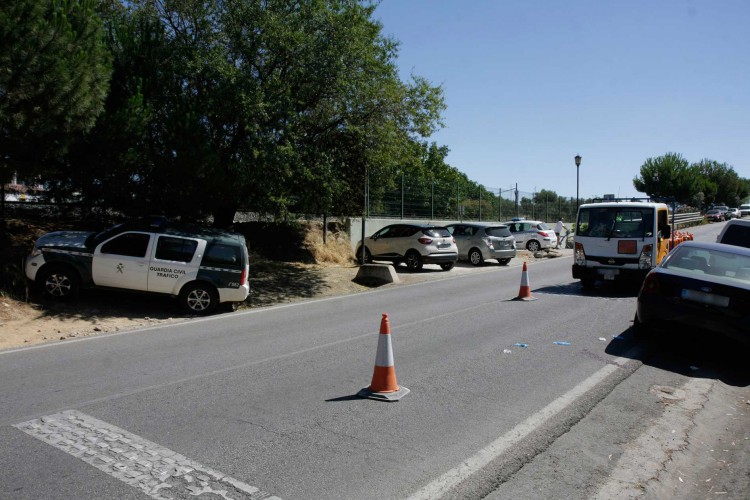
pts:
[550, 398]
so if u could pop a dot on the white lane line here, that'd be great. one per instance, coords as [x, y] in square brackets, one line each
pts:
[134, 460]
[455, 476]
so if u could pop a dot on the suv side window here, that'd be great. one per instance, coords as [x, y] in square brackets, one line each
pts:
[218, 254]
[128, 244]
[175, 249]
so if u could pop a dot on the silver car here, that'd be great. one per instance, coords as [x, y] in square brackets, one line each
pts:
[478, 242]
[533, 235]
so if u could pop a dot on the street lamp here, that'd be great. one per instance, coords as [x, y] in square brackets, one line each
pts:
[578, 164]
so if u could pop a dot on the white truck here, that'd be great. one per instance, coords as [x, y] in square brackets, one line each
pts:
[619, 240]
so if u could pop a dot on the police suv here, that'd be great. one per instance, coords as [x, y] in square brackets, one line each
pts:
[201, 266]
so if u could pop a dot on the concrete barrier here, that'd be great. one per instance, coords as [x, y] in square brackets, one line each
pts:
[376, 274]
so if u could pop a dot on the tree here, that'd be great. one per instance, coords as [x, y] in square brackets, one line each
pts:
[270, 105]
[54, 74]
[668, 176]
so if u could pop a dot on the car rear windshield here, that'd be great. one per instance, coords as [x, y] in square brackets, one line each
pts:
[498, 232]
[711, 262]
[738, 235]
[437, 232]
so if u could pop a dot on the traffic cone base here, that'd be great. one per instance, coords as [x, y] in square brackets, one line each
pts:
[524, 292]
[384, 386]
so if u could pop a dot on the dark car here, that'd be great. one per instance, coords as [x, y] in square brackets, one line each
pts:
[699, 285]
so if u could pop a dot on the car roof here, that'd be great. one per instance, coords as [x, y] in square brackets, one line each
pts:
[479, 224]
[719, 247]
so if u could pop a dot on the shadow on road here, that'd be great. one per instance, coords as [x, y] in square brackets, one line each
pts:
[691, 353]
[603, 290]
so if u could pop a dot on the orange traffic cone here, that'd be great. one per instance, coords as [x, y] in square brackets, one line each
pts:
[384, 386]
[524, 293]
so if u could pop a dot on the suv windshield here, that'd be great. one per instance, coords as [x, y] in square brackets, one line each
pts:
[615, 222]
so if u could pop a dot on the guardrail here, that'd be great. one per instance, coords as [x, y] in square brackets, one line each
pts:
[686, 219]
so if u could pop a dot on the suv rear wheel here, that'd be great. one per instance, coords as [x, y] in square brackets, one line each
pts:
[199, 298]
[413, 260]
[447, 266]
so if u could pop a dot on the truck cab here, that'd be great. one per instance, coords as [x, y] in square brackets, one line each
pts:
[619, 240]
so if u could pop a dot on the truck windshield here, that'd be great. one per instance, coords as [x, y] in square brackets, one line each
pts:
[615, 222]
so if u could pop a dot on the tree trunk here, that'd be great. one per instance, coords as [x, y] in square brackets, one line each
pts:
[224, 216]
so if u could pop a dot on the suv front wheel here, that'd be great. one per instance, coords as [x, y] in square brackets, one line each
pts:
[199, 298]
[59, 282]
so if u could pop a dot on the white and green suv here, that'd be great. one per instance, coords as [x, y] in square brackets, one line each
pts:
[202, 266]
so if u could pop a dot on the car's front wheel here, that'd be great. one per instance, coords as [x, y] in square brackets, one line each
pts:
[413, 260]
[447, 266]
[368, 256]
[59, 282]
[533, 246]
[475, 257]
[199, 298]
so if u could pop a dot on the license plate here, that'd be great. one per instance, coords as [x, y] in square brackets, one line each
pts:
[444, 245]
[608, 274]
[705, 298]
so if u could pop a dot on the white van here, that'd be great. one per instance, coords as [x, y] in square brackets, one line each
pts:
[619, 240]
[744, 210]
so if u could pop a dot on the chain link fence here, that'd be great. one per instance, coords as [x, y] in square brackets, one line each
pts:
[416, 199]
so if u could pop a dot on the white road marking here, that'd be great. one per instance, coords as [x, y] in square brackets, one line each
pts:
[134, 460]
[455, 476]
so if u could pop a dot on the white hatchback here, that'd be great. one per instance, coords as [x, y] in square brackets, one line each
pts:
[532, 235]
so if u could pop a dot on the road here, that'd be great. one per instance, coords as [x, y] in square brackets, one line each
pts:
[263, 403]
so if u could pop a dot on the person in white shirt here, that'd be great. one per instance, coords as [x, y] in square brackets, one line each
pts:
[558, 230]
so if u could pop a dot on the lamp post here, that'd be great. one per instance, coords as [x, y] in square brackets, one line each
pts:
[578, 164]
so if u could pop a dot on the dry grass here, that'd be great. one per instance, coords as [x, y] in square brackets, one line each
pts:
[336, 250]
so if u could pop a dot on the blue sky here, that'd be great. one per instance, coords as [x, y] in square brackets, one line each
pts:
[530, 84]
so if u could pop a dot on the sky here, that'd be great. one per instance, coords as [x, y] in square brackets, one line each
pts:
[529, 84]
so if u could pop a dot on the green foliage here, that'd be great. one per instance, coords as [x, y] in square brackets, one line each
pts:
[700, 184]
[54, 73]
[275, 106]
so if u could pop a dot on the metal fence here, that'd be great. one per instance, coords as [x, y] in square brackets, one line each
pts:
[415, 199]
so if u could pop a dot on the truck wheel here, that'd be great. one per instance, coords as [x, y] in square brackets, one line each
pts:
[199, 298]
[59, 283]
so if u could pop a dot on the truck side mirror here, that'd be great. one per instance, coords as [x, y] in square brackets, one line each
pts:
[666, 232]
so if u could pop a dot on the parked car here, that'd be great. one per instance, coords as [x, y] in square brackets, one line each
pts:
[414, 244]
[532, 235]
[201, 266]
[734, 213]
[699, 285]
[744, 210]
[478, 242]
[723, 209]
[715, 215]
[735, 232]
